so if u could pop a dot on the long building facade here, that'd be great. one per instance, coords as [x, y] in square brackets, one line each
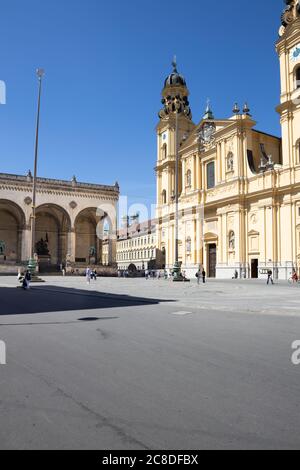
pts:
[70, 221]
[239, 205]
[136, 250]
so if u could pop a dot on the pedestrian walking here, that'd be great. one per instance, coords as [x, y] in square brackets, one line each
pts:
[295, 277]
[270, 277]
[203, 276]
[88, 275]
[198, 275]
[26, 280]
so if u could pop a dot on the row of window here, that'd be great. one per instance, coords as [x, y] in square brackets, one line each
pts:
[210, 171]
[231, 242]
[146, 254]
[136, 242]
[210, 180]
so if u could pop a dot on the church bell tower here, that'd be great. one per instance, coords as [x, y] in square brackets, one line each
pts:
[175, 101]
[288, 49]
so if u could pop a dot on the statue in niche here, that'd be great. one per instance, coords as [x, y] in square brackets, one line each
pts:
[2, 247]
[188, 245]
[231, 241]
[230, 162]
[189, 179]
[92, 251]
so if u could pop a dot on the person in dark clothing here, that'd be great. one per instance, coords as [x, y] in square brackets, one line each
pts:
[270, 277]
[26, 280]
[198, 276]
[203, 276]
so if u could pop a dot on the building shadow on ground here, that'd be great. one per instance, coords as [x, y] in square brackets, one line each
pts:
[16, 301]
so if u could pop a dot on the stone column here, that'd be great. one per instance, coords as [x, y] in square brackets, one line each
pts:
[194, 175]
[198, 173]
[183, 179]
[112, 243]
[25, 243]
[220, 176]
[159, 189]
[72, 245]
[169, 193]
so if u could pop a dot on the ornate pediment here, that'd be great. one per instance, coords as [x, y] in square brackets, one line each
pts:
[253, 233]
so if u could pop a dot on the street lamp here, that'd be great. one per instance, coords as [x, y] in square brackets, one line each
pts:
[32, 262]
[178, 109]
[177, 277]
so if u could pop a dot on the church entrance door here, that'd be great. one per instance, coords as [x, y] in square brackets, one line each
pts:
[254, 269]
[212, 260]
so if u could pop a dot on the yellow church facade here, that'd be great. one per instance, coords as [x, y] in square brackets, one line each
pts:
[239, 204]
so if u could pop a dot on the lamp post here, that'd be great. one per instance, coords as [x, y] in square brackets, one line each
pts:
[176, 268]
[32, 262]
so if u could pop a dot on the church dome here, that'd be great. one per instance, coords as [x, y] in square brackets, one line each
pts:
[175, 79]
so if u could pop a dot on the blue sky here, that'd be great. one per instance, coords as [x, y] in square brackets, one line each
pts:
[105, 65]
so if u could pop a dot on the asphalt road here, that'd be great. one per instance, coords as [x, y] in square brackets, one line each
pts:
[87, 370]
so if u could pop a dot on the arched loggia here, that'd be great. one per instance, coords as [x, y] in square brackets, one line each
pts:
[12, 223]
[88, 248]
[53, 225]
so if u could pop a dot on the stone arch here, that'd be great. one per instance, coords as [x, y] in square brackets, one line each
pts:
[88, 225]
[132, 269]
[12, 224]
[53, 225]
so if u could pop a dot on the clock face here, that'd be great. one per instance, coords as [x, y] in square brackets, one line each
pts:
[295, 54]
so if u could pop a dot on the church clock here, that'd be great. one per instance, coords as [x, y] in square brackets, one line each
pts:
[295, 53]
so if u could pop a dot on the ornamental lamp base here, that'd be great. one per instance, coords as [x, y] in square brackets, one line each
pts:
[32, 267]
[177, 275]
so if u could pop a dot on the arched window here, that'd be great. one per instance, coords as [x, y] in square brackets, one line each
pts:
[164, 151]
[188, 178]
[164, 197]
[210, 175]
[231, 240]
[298, 77]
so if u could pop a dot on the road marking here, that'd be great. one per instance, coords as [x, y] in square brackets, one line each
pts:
[181, 313]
